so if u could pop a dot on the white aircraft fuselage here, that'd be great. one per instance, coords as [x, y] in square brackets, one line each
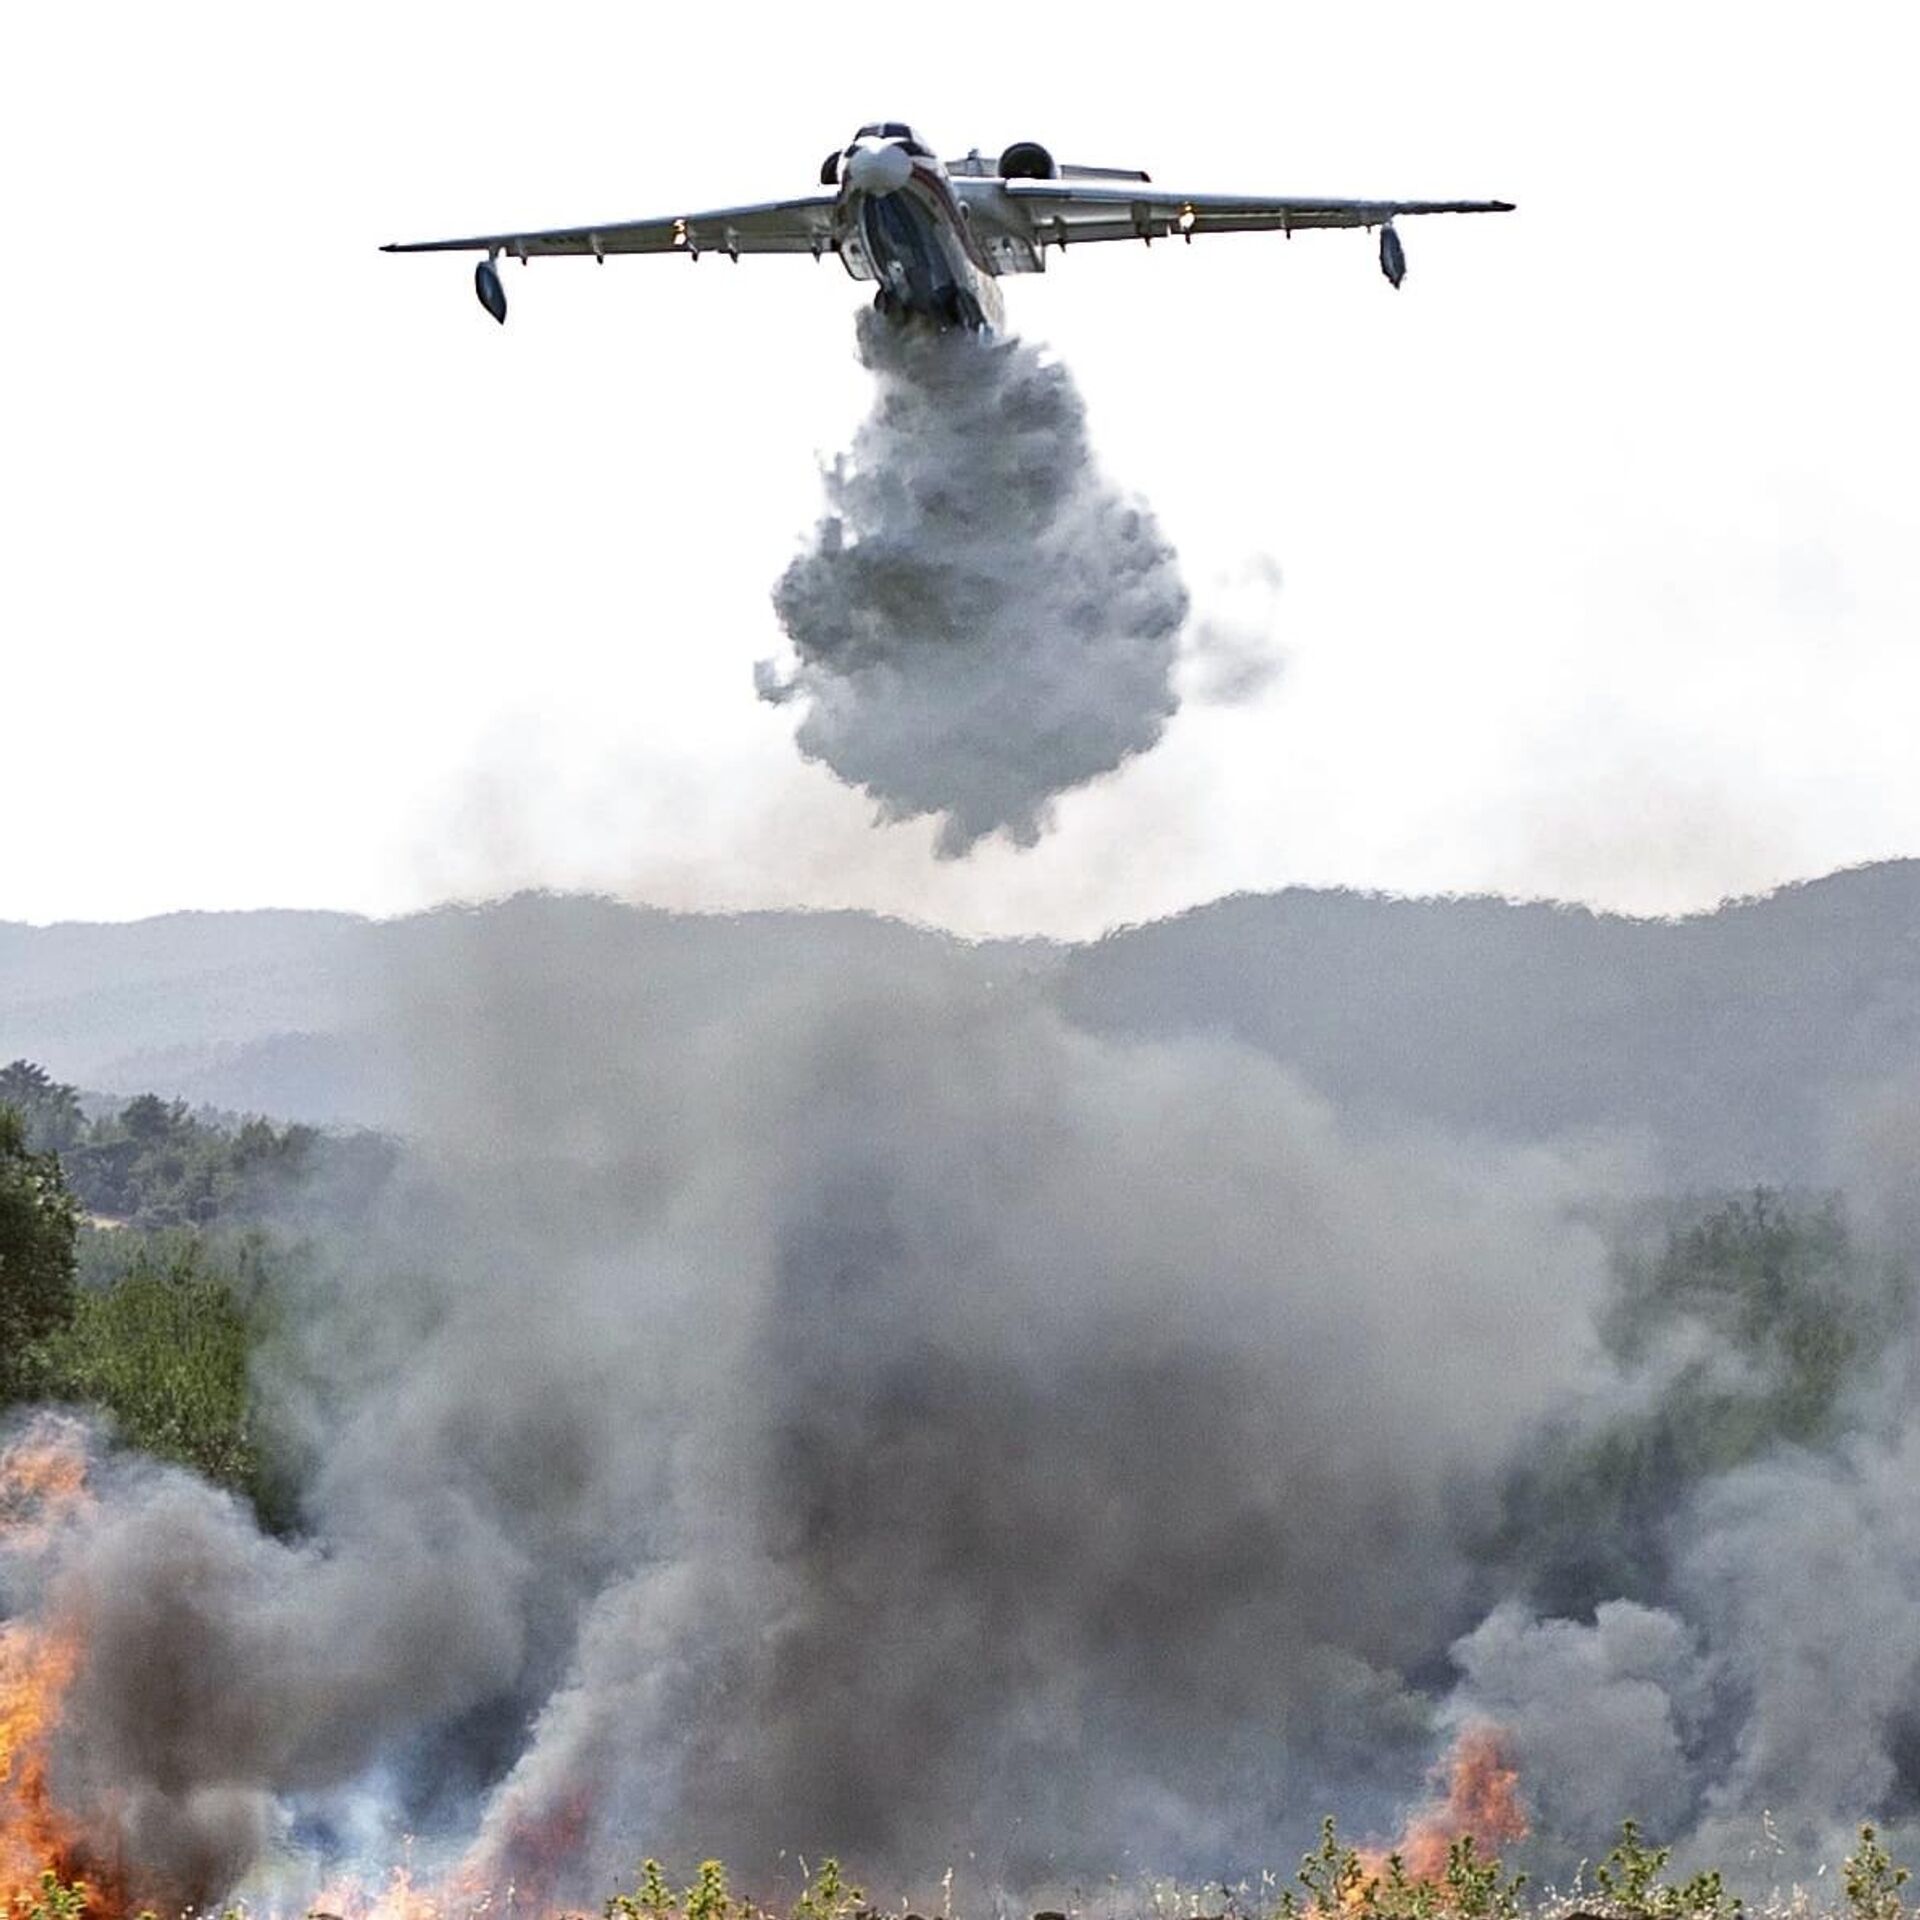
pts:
[899, 223]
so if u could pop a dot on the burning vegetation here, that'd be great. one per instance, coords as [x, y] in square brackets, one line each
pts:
[35, 1670]
[1479, 1808]
[52, 1868]
[43, 1488]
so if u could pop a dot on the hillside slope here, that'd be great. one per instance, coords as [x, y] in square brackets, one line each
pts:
[1730, 1040]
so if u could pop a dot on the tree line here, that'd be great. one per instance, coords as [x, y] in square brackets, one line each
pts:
[143, 1251]
[149, 1162]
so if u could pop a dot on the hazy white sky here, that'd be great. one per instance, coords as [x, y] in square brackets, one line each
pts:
[1598, 542]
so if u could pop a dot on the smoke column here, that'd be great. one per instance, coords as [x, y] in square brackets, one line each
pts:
[858, 1412]
[981, 622]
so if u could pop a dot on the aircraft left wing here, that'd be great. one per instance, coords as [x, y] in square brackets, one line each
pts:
[779, 226]
[1065, 211]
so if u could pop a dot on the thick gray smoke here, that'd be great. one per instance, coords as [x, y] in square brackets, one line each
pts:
[847, 1406]
[874, 1416]
[981, 622]
[1758, 1695]
[226, 1672]
[1772, 1706]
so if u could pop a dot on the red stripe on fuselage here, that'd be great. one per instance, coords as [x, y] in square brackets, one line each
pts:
[947, 202]
[936, 187]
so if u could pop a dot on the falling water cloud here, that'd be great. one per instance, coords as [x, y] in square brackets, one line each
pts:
[981, 621]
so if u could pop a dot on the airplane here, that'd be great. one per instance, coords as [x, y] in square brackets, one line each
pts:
[935, 237]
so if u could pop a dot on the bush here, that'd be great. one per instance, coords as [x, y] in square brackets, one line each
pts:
[56, 1899]
[1341, 1882]
[164, 1348]
[1630, 1878]
[708, 1898]
[650, 1900]
[1873, 1882]
[38, 1226]
[828, 1895]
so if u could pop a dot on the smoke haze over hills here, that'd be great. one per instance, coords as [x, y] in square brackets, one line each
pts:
[821, 1385]
[1735, 1043]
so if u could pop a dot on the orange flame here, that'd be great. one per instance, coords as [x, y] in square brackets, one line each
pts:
[44, 1489]
[35, 1670]
[402, 1898]
[529, 1850]
[517, 1869]
[1481, 1797]
[43, 1484]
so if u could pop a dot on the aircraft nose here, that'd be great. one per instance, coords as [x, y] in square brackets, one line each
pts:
[879, 169]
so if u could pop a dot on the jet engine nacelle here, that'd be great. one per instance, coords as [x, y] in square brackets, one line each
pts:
[487, 288]
[1028, 160]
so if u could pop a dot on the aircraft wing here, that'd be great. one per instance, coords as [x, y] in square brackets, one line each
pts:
[780, 226]
[1067, 211]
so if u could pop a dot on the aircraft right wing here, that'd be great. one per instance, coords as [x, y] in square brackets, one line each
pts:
[1067, 211]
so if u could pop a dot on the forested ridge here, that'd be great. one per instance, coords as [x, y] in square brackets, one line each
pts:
[1731, 1040]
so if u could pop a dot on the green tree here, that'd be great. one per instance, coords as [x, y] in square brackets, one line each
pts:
[49, 1111]
[38, 1227]
[150, 1120]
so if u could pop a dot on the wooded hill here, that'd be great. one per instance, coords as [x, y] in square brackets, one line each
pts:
[1734, 1043]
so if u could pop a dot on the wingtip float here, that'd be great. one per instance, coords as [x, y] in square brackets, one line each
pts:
[487, 288]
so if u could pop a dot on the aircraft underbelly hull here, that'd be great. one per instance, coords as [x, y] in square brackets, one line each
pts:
[909, 243]
[904, 244]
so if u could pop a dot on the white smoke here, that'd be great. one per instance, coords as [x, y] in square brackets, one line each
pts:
[1229, 652]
